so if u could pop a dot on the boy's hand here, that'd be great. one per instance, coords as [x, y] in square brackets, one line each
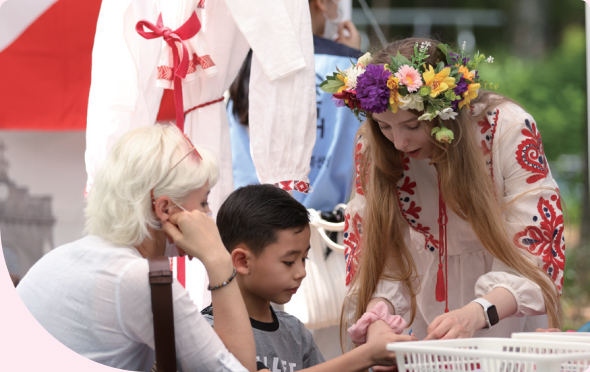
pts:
[197, 235]
[379, 334]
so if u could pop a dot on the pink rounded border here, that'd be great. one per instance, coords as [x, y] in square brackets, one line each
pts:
[25, 345]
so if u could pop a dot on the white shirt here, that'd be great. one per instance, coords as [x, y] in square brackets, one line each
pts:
[95, 298]
[532, 215]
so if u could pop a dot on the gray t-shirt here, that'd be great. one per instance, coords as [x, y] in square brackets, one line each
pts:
[284, 345]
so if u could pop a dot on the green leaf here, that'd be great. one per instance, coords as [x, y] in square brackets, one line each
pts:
[439, 67]
[402, 59]
[331, 86]
[457, 77]
[454, 70]
[446, 50]
[395, 63]
[402, 90]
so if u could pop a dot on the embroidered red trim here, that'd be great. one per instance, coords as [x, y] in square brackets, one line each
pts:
[294, 185]
[166, 72]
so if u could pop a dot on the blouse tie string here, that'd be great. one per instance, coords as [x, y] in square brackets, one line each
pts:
[442, 280]
[172, 38]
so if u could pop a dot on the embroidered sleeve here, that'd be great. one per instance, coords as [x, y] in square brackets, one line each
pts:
[353, 225]
[531, 197]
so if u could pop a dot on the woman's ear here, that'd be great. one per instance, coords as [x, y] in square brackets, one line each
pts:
[241, 259]
[162, 208]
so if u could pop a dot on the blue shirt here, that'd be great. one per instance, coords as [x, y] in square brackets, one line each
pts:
[332, 158]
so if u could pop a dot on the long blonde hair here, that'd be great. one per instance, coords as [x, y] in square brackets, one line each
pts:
[472, 198]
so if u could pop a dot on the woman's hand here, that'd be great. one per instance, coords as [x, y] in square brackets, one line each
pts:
[461, 323]
[197, 235]
[348, 35]
[379, 334]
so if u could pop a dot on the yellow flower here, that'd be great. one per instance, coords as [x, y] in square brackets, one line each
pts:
[438, 82]
[468, 75]
[393, 85]
[469, 94]
[364, 60]
[344, 80]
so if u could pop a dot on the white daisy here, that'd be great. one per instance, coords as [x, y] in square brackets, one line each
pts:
[447, 114]
[412, 101]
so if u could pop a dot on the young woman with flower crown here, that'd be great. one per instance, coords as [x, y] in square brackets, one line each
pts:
[453, 199]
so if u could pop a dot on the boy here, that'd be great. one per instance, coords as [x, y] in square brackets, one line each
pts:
[267, 233]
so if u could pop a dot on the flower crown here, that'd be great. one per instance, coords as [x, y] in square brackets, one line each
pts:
[437, 91]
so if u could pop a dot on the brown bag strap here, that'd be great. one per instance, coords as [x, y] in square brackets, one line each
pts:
[161, 284]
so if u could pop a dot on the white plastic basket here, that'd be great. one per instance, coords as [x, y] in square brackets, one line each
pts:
[554, 336]
[491, 355]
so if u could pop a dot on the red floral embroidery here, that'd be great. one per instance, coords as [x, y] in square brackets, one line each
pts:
[530, 154]
[488, 129]
[351, 243]
[408, 186]
[421, 228]
[546, 238]
[413, 210]
[357, 160]
[484, 124]
[405, 161]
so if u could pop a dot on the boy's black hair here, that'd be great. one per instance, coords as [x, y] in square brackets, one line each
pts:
[253, 215]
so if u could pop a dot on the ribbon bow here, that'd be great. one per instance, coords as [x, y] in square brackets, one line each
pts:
[184, 32]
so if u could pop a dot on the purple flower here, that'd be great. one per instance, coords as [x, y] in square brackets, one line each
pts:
[456, 58]
[339, 102]
[461, 88]
[372, 90]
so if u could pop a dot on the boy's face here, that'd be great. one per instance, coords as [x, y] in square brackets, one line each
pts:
[277, 273]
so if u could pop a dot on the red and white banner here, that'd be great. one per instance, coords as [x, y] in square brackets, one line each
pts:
[45, 59]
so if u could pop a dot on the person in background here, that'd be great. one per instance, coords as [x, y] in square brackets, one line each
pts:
[93, 295]
[331, 167]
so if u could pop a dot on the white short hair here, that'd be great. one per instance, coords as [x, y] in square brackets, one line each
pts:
[119, 203]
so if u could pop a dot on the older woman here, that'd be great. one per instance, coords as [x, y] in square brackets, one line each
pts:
[93, 294]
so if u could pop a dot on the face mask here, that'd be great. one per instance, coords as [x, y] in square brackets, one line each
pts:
[171, 249]
[331, 25]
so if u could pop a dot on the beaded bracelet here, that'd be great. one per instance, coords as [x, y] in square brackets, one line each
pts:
[233, 275]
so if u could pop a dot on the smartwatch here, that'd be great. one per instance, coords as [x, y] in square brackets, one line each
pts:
[490, 312]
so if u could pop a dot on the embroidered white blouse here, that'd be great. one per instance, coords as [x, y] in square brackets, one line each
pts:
[532, 213]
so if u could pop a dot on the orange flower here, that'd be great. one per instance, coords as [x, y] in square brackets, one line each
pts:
[393, 85]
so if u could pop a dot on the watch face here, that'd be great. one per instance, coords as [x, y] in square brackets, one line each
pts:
[493, 315]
